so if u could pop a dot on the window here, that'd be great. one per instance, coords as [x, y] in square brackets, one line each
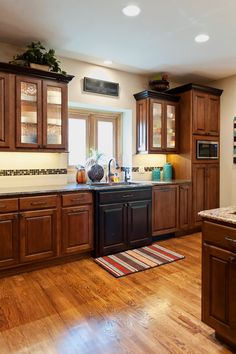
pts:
[92, 130]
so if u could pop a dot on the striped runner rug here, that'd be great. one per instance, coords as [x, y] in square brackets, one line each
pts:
[136, 260]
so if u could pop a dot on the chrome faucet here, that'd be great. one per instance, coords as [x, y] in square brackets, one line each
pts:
[126, 171]
[110, 174]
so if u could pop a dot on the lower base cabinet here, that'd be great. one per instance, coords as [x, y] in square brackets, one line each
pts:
[38, 235]
[218, 280]
[77, 229]
[9, 249]
[121, 225]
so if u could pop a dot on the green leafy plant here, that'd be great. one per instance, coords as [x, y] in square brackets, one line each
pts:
[36, 53]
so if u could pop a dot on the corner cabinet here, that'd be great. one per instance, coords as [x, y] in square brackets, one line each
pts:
[156, 122]
[34, 106]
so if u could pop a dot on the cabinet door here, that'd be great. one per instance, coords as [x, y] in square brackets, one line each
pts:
[200, 113]
[8, 240]
[28, 112]
[55, 115]
[77, 229]
[185, 206]
[142, 126]
[199, 198]
[156, 126]
[6, 110]
[165, 209]
[38, 235]
[171, 127]
[112, 229]
[212, 187]
[213, 116]
[219, 291]
[139, 223]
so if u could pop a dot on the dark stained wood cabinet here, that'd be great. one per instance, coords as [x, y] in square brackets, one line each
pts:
[38, 235]
[9, 249]
[206, 114]
[139, 223]
[77, 223]
[185, 206]
[7, 124]
[218, 280]
[123, 220]
[165, 209]
[33, 105]
[205, 189]
[156, 122]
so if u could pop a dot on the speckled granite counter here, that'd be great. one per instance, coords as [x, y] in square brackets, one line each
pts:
[227, 214]
[74, 187]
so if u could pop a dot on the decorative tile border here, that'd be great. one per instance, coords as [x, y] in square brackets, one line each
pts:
[137, 169]
[34, 172]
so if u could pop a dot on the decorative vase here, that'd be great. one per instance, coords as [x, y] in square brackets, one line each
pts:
[96, 173]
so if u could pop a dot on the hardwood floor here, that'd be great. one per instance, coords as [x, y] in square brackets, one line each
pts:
[80, 308]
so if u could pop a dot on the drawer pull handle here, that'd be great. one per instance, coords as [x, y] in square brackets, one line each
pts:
[38, 203]
[230, 239]
[2, 206]
[127, 196]
[232, 259]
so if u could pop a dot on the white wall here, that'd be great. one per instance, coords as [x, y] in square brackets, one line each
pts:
[227, 168]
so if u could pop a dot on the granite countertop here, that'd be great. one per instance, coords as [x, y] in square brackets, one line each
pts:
[226, 214]
[73, 187]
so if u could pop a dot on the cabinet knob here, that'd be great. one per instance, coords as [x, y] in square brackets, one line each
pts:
[232, 259]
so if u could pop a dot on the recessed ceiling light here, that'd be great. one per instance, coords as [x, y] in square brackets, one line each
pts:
[131, 10]
[107, 62]
[201, 38]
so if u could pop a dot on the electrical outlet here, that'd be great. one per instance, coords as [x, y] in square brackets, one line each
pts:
[141, 169]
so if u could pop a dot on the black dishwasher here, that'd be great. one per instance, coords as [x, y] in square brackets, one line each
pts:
[122, 219]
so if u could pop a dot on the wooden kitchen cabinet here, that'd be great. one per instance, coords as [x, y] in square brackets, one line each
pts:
[205, 189]
[7, 124]
[156, 122]
[9, 248]
[123, 220]
[34, 107]
[185, 206]
[206, 114]
[218, 280]
[38, 228]
[165, 209]
[77, 223]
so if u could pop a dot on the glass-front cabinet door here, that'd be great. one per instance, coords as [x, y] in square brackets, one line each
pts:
[170, 126]
[55, 111]
[28, 112]
[156, 126]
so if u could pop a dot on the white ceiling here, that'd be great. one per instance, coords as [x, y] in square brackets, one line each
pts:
[161, 38]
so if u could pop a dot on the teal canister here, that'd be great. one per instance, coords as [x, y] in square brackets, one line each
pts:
[167, 171]
[156, 174]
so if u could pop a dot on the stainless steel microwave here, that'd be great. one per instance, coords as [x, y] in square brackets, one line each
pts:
[206, 149]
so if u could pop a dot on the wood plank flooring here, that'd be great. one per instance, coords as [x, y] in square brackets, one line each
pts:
[80, 308]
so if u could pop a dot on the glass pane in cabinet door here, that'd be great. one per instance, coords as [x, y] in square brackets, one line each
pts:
[157, 125]
[54, 115]
[29, 113]
[171, 141]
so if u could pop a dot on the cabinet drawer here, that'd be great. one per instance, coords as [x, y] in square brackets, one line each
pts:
[42, 202]
[76, 199]
[124, 196]
[219, 235]
[7, 205]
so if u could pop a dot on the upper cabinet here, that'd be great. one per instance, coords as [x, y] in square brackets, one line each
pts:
[206, 114]
[157, 122]
[33, 105]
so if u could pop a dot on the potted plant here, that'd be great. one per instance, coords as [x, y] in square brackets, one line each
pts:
[95, 171]
[36, 56]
